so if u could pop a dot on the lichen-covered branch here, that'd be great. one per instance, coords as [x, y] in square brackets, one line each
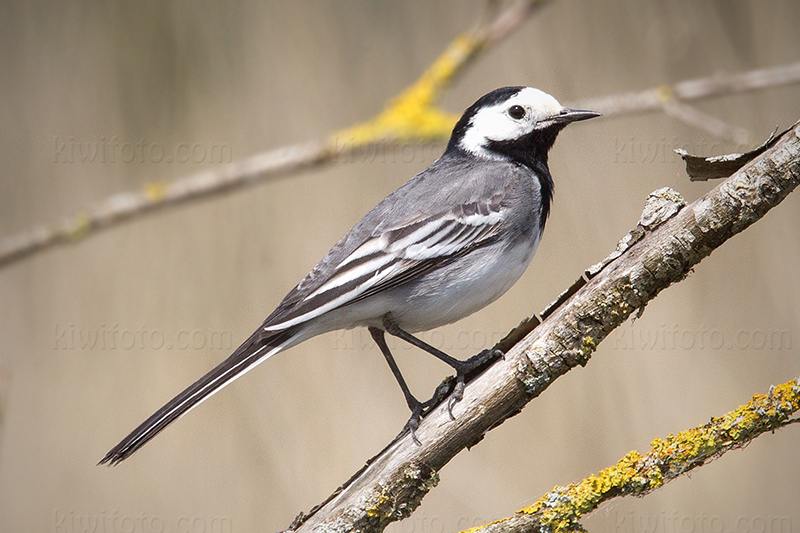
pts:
[412, 116]
[637, 475]
[659, 252]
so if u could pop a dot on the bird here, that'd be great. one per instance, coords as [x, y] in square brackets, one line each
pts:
[447, 243]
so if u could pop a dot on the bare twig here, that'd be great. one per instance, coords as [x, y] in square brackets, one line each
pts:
[665, 248]
[637, 475]
[701, 120]
[412, 116]
[711, 87]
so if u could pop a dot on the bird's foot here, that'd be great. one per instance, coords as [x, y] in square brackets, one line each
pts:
[448, 388]
[413, 421]
[465, 368]
[420, 408]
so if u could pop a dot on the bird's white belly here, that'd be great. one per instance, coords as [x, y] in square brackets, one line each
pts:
[441, 297]
[470, 285]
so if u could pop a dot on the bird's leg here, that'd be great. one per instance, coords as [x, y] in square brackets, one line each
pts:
[462, 368]
[415, 405]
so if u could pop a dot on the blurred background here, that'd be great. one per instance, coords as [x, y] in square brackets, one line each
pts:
[96, 336]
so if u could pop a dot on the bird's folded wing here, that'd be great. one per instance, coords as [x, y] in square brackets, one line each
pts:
[396, 256]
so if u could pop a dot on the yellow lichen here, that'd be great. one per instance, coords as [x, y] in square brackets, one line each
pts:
[588, 345]
[155, 190]
[638, 474]
[413, 115]
[379, 509]
[79, 226]
[664, 93]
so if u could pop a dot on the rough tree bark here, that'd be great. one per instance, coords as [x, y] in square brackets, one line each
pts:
[656, 254]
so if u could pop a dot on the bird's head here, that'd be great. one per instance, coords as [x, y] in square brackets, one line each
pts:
[516, 123]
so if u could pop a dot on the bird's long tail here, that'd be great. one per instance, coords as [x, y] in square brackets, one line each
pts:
[254, 350]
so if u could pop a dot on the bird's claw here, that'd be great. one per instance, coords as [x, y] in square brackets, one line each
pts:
[419, 408]
[458, 394]
[413, 422]
[476, 361]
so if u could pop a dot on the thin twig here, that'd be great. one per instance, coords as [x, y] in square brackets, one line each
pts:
[715, 86]
[413, 116]
[703, 121]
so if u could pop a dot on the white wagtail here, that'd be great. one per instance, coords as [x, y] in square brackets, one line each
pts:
[444, 245]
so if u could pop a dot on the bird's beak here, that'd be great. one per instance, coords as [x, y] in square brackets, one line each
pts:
[573, 115]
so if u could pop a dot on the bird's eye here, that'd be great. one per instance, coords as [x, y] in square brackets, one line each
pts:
[516, 112]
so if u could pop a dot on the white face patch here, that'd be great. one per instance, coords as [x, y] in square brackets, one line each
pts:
[498, 122]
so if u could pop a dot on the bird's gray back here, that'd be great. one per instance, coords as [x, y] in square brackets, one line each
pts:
[446, 185]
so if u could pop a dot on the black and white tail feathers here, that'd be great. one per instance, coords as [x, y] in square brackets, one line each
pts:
[258, 347]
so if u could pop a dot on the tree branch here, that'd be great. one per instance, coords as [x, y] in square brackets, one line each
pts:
[638, 475]
[411, 116]
[698, 89]
[667, 243]
[694, 117]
